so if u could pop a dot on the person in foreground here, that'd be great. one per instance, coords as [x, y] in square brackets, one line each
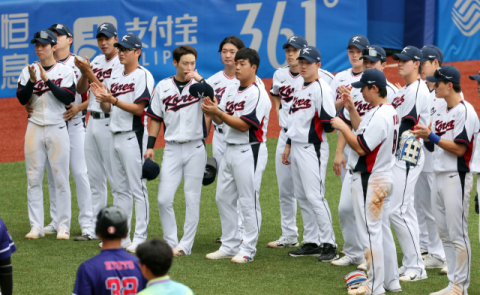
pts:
[156, 258]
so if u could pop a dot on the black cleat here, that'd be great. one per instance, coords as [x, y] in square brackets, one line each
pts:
[309, 249]
[218, 240]
[329, 253]
[85, 237]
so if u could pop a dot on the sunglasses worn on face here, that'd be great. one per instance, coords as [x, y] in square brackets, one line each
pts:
[123, 49]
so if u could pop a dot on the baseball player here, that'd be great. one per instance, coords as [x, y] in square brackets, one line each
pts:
[453, 143]
[310, 114]
[373, 57]
[50, 86]
[185, 153]
[281, 93]
[244, 112]
[98, 135]
[156, 257]
[7, 247]
[413, 107]
[129, 92]
[371, 159]
[113, 271]
[476, 158]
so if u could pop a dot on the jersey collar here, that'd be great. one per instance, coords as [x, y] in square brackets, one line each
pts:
[108, 60]
[160, 280]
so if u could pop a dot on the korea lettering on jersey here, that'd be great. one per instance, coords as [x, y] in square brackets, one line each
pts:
[437, 107]
[458, 124]
[312, 105]
[283, 85]
[47, 109]
[412, 102]
[102, 68]
[252, 105]
[70, 62]
[133, 87]
[219, 82]
[377, 134]
[179, 111]
[345, 78]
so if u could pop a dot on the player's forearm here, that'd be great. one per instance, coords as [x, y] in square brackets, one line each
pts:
[338, 105]
[457, 149]
[82, 85]
[235, 122]
[24, 93]
[341, 143]
[208, 123]
[355, 118]
[83, 106]
[154, 129]
[276, 101]
[134, 108]
[65, 95]
[106, 107]
[352, 141]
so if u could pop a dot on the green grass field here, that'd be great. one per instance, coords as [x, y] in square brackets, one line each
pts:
[48, 266]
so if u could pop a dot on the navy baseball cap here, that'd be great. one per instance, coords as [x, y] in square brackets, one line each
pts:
[150, 169]
[310, 53]
[440, 53]
[359, 41]
[201, 90]
[475, 77]
[62, 30]
[106, 29]
[409, 53]
[371, 77]
[430, 53]
[446, 73]
[129, 41]
[44, 37]
[296, 41]
[374, 53]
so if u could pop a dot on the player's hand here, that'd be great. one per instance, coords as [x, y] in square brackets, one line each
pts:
[83, 65]
[342, 89]
[421, 131]
[193, 74]
[347, 102]
[101, 94]
[210, 107]
[32, 72]
[72, 111]
[338, 162]
[150, 153]
[29, 107]
[43, 74]
[286, 153]
[398, 85]
[338, 123]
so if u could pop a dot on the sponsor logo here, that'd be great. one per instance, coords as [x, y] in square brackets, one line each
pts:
[244, 151]
[465, 16]
[175, 103]
[356, 39]
[306, 51]
[283, 81]
[85, 30]
[131, 138]
[214, 84]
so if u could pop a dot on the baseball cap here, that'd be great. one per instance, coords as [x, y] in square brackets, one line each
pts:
[310, 53]
[150, 169]
[371, 77]
[129, 41]
[440, 53]
[62, 30]
[210, 171]
[359, 41]
[44, 37]
[106, 29]
[475, 77]
[296, 41]
[374, 53]
[446, 73]
[409, 53]
[201, 90]
[430, 53]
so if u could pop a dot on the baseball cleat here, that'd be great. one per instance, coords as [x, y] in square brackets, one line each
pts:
[423, 252]
[219, 254]
[362, 266]
[218, 240]
[85, 231]
[34, 234]
[309, 249]
[394, 290]
[177, 252]
[344, 261]
[441, 292]
[329, 253]
[432, 262]
[49, 230]
[363, 290]
[283, 242]
[85, 237]
[342, 252]
[401, 270]
[132, 248]
[444, 270]
[241, 258]
[63, 234]
[411, 276]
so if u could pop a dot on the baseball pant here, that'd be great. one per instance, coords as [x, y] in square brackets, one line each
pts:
[423, 206]
[450, 205]
[239, 181]
[76, 132]
[48, 143]
[403, 216]
[371, 194]
[127, 149]
[185, 160]
[346, 215]
[308, 184]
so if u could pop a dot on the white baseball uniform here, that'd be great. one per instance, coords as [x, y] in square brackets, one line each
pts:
[98, 139]
[240, 172]
[310, 112]
[372, 182]
[128, 145]
[47, 139]
[184, 156]
[76, 132]
[451, 196]
[351, 247]
[413, 104]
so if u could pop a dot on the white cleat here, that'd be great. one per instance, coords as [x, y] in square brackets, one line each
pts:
[63, 234]
[241, 258]
[444, 270]
[344, 261]
[411, 276]
[132, 248]
[34, 234]
[441, 292]
[219, 254]
[49, 230]
[178, 252]
[363, 290]
[362, 266]
[432, 262]
[284, 243]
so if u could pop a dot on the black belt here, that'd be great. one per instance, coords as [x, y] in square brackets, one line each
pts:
[96, 115]
[218, 129]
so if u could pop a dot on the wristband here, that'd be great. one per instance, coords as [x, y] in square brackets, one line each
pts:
[115, 104]
[151, 142]
[434, 138]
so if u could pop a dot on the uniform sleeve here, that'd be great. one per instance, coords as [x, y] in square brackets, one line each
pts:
[344, 114]
[391, 92]
[373, 134]
[24, 77]
[275, 84]
[155, 109]
[223, 104]
[464, 127]
[327, 111]
[142, 93]
[83, 283]
[251, 116]
[333, 86]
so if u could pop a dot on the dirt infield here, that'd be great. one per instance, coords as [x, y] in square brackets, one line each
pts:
[13, 117]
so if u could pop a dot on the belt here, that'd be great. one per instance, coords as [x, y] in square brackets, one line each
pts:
[96, 115]
[220, 130]
[354, 171]
[120, 132]
[179, 142]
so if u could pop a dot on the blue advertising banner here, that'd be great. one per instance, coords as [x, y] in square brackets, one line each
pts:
[164, 25]
[457, 29]
[386, 23]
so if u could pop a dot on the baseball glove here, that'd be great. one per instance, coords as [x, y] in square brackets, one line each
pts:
[355, 279]
[409, 149]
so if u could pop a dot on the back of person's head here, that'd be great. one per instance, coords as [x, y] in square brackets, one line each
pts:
[112, 223]
[156, 255]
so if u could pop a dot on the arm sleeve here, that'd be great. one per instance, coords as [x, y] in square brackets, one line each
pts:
[404, 126]
[430, 146]
[345, 115]
[463, 129]
[142, 92]
[222, 105]
[64, 94]
[251, 116]
[275, 84]
[24, 93]
[327, 111]
[373, 135]
[155, 109]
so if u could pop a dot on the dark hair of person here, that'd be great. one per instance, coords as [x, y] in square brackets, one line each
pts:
[183, 50]
[250, 54]
[382, 90]
[157, 255]
[234, 40]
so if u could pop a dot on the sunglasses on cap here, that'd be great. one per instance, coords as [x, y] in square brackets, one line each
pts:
[42, 35]
[372, 52]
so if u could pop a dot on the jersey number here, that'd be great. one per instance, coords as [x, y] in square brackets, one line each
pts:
[394, 142]
[123, 286]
